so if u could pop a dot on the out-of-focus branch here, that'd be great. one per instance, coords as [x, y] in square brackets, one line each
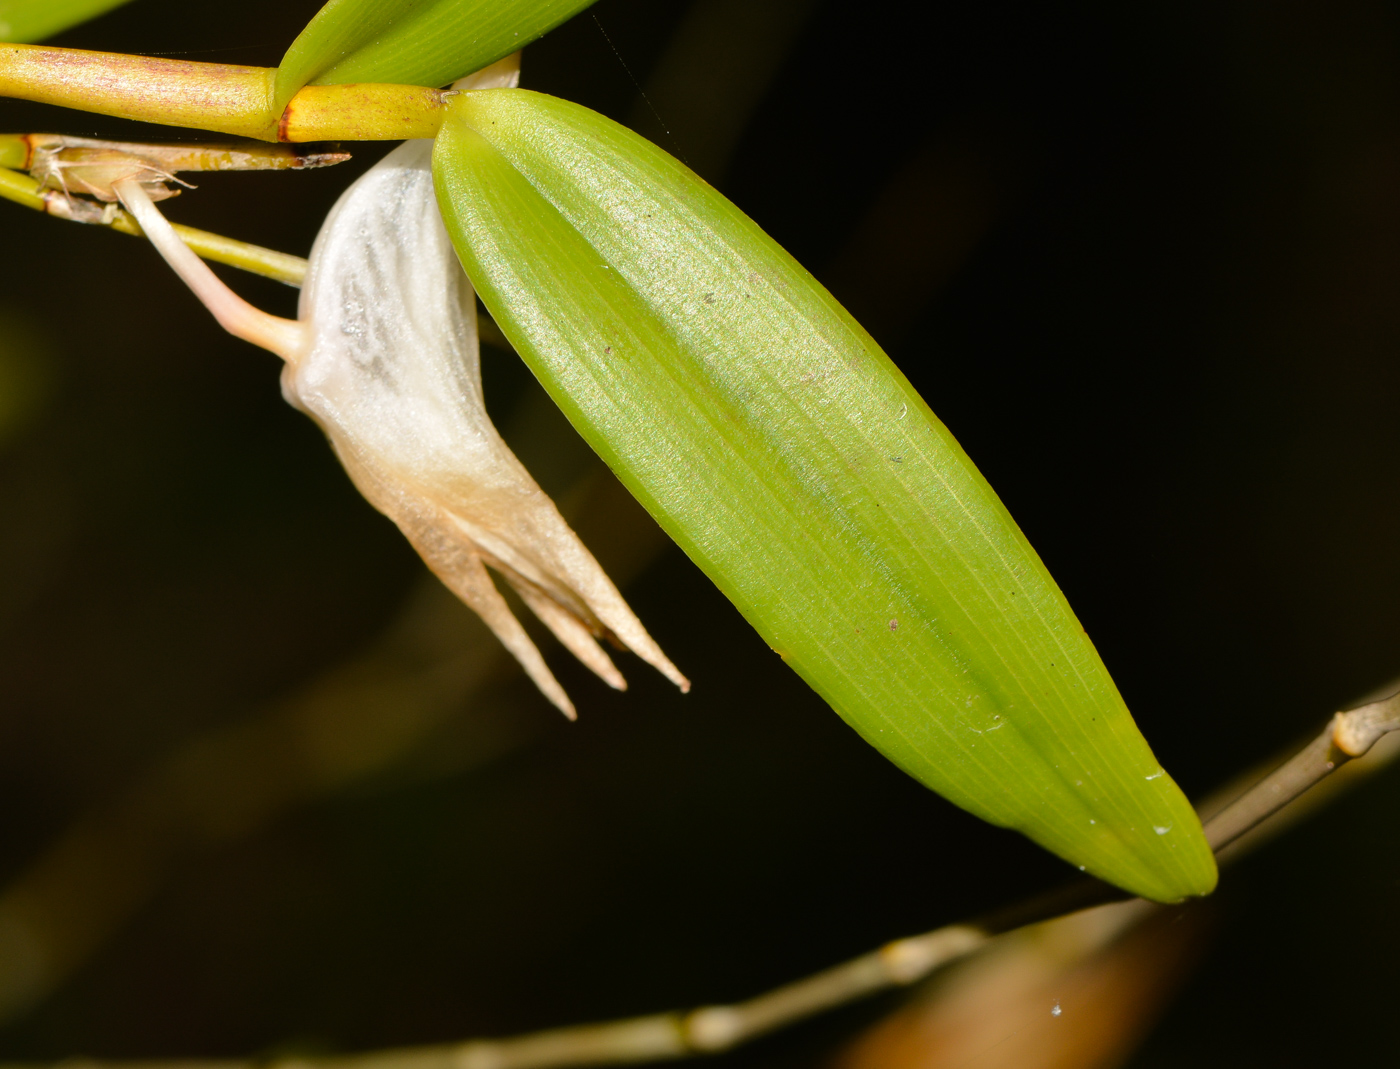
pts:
[711, 1029]
[657, 1037]
[1078, 992]
[360, 720]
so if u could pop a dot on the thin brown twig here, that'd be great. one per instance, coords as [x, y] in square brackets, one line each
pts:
[711, 1029]
[1347, 736]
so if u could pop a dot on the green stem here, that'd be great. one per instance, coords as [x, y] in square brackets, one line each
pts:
[21, 189]
[269, 263]
[218, 249]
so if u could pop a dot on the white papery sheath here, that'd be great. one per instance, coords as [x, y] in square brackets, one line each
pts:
[390, 371]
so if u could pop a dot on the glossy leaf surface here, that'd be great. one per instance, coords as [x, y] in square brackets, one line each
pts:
[32, 20]
[776, 443]
[415, 42]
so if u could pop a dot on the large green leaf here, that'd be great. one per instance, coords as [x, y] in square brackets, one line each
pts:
[416, 42]
[776, 443]
[32, 20]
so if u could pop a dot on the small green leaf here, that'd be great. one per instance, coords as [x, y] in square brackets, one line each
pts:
[776, 443]
[415, 42]
[25, 21]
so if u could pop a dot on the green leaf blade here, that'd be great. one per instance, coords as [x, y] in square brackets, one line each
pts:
[27, 21]
[787, 456]
[413, 42]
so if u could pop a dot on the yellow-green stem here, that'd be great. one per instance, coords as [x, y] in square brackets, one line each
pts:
[215, 96]
[363, 111]
[21, 189]
[254, 259]
[172, 92]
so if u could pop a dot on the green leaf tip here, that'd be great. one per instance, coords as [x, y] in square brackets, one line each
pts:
[413, 42]
[784, 452]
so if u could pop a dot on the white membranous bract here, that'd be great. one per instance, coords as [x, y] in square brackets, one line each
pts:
[384, 356]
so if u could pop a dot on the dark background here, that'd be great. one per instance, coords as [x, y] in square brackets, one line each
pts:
[1144, 263]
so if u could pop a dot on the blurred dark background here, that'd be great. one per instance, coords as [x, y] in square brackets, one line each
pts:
[264, 789]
